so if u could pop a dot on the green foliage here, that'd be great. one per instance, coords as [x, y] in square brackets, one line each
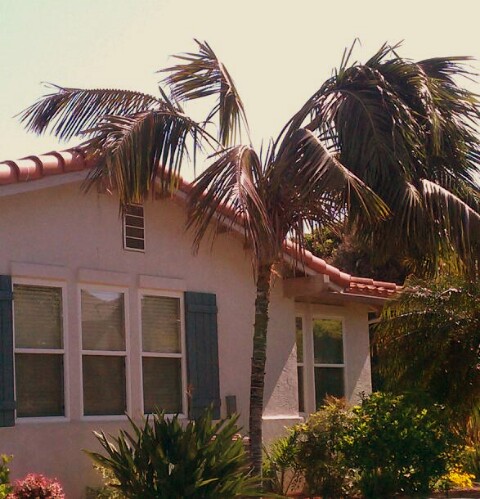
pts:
[282, 472]
[396, 446]
[5, 487]
[320, 453]
[109, 490]
[341, 247]
[472, 455]
[428, 341]
[164, 460]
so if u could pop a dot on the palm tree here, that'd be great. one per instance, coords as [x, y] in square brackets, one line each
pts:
[401, 127]
[428, 342]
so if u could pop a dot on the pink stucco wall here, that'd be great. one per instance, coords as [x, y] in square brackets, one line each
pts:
[60, 235]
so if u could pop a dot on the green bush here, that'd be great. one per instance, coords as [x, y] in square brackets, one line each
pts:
[282, 472]
[164, 460]
[396, 446]
[320, 454]
[5, 487]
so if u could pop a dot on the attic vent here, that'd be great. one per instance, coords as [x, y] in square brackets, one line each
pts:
[134, 228]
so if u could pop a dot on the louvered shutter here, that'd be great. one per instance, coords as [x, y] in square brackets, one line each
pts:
[7, 397]
[202, 353]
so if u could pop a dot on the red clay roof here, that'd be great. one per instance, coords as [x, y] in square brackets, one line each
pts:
[71, 160]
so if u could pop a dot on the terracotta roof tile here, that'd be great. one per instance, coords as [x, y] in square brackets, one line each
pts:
[58, 162]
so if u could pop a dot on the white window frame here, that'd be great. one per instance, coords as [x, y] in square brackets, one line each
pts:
[23, 281]
[106, 353]
[124, 228]
[341, 319]
[301, 316]
[182, 355]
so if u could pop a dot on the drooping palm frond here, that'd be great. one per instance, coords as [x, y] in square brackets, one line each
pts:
[69, 111]
[142, 149]
[307, 184]
[459, 224]
[395, 123]
[203, 75]
[229, 193]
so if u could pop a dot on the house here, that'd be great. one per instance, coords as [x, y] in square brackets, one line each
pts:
[102, 314]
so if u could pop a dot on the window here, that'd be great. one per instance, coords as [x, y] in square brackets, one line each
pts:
[300, 365]
[134, 228]
[39, 351]
[162, 353]
[103, 352]
[320, 360]
[328, 359]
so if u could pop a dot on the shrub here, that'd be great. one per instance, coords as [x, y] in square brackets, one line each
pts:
[110, 490]
[320, 453]
[5, 486]
[164, 460]
[282, 472]
[396, 446]
[36, 486]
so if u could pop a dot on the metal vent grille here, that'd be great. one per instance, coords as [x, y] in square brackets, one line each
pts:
[134, 228]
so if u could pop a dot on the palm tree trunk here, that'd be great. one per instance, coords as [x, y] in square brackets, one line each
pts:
[259, 356]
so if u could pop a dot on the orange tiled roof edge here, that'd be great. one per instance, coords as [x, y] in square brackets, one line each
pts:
[44, 165]
[52, 163]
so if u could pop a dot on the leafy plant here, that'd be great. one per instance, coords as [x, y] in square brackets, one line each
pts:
[428, 341]
[320, 454]
[36, 486]
[109, 490]
[282, 473]
[396, 446]
[5, 486]
[164, 460]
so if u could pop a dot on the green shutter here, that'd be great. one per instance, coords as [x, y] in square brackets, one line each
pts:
[7, 399]
[202, 353]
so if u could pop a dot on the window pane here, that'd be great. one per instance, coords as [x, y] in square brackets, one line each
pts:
[161, 324]
[39, 385]
[301, 401]
[38, 317]
[327, 341]
[103, 385]
[299, 338]
[103, 325]
[328, 381]
[162, 384]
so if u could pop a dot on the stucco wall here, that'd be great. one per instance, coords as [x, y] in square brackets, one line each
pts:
[62, 236]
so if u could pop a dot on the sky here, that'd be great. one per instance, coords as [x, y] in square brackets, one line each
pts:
[278, 52]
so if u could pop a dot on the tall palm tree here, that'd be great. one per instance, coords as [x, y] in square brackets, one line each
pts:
[401, 127]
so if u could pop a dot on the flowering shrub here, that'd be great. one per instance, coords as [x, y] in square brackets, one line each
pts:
[35, 486]
[455, 478]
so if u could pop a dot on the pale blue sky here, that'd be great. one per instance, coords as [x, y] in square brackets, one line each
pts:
[278, 52]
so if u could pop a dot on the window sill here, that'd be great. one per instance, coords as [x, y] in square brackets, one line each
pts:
[46, 419]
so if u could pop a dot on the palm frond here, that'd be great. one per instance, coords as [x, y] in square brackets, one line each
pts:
[69, 111]
[142, 149]
[229, 193]
[311, 177]
[202, 75]
[457, 221]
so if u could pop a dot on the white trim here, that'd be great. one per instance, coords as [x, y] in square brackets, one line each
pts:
[179, 355]
[101, 277]
[47, 351]
[281, 416]
[166, 284]
[35, 271]
[113, 353]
